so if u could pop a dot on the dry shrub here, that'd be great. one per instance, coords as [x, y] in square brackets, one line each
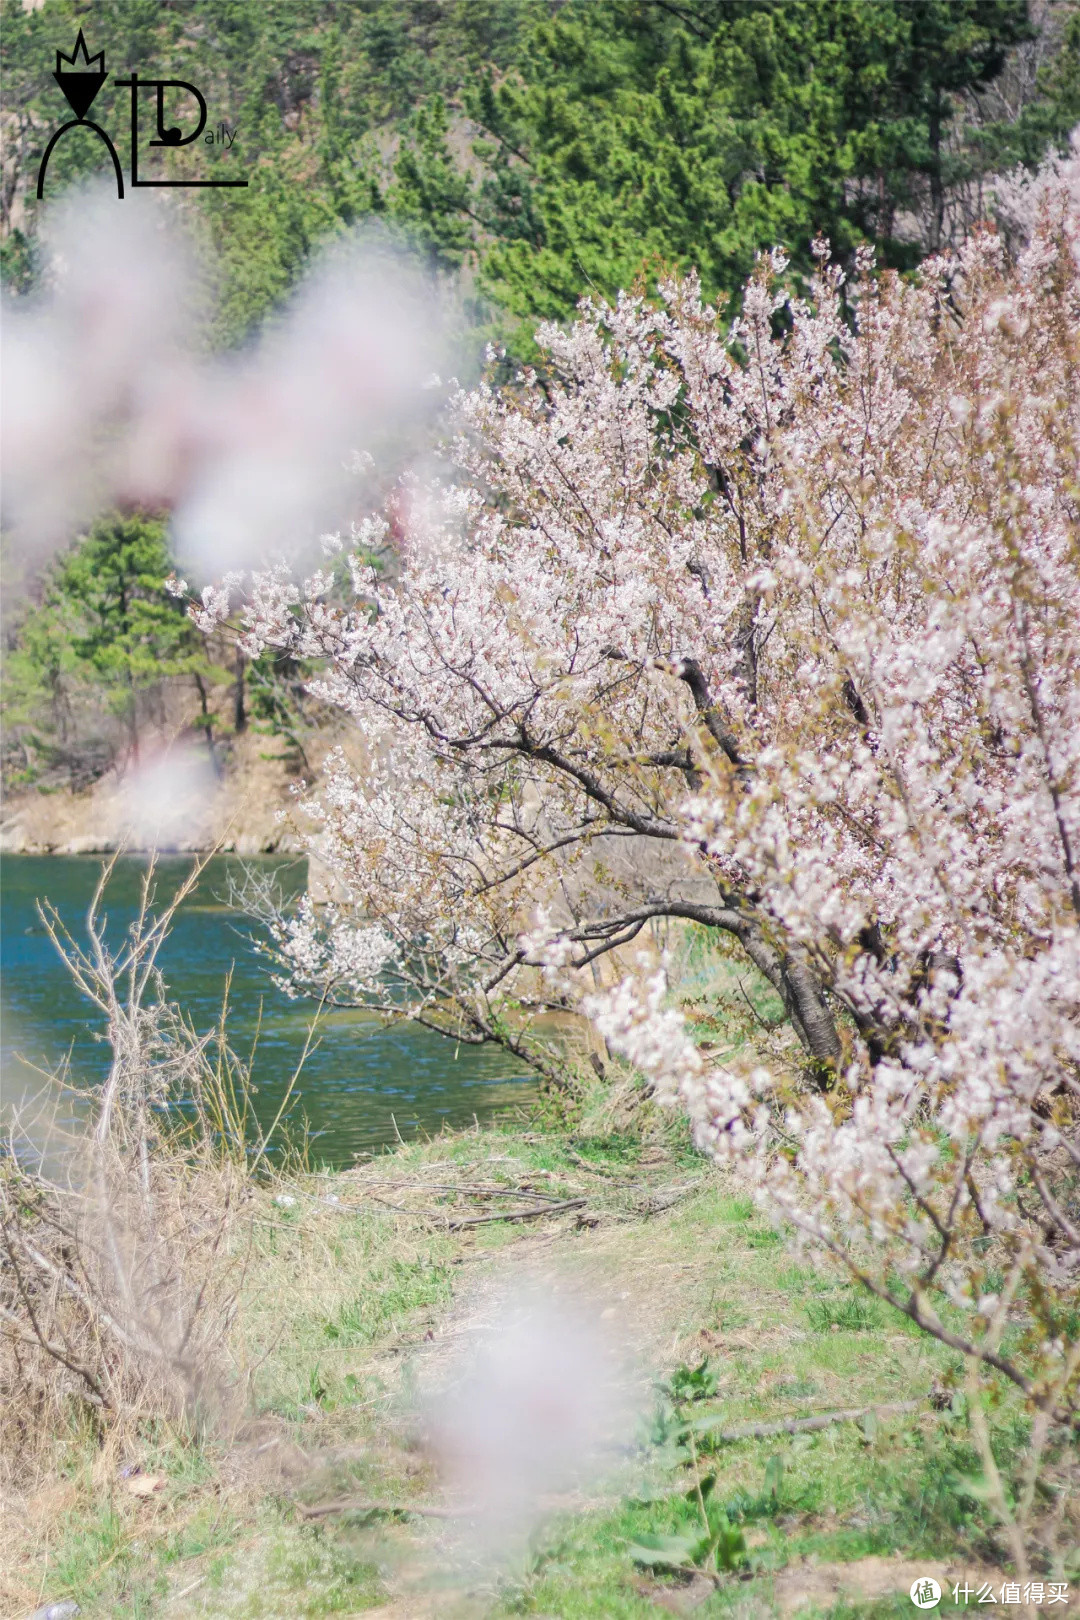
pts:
[123, 1244]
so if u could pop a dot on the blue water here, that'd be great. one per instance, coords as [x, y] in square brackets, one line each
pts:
[361, 1087]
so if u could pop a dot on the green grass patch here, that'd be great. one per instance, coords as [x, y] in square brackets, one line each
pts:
[335, 1304]
[849, 1312]
[393, 1293]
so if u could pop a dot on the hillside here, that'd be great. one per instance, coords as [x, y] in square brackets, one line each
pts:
[522, 151]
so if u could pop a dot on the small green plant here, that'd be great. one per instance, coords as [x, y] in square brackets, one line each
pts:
[314, 1391]
[691, 1383]
[721, 1545]
[686, 1428]
[349, 1324]
[678, 1427]
[774, 1478]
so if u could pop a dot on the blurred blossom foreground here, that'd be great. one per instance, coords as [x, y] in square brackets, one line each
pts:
[110, 398]
[530, 1415]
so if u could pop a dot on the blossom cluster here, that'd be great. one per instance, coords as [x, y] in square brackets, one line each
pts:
[767, 625]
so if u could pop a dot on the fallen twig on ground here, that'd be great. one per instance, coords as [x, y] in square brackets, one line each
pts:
[472, 1188]
[517, 1214]
[350, 1504]
[186, 1591]
[821, 1420]
[545, 1201]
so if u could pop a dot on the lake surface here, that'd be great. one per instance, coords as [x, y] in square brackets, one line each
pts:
[362, 1085]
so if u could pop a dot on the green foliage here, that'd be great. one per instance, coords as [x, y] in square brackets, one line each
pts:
[279, 706]
[38, 674]
[430, 196]
[131, 629]
[691, 1384]
[615, 135]
[722, 1545]
[683, 1422]
[321, 93]
[700, 134]
[105, 624]
[684, 1428]
[18, 262]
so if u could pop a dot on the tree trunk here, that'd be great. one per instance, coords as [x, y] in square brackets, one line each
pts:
[133, 719]
[207, 723]
[798, 987]
[937, 189]
[239, 709]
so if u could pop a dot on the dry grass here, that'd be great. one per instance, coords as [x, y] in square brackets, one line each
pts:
[124, 1240]
[332, 1294]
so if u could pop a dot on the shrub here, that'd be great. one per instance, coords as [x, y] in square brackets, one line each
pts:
[123, 1241]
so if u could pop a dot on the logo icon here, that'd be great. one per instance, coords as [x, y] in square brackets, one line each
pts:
[80, 77]
[925, 1592]
[81, 85]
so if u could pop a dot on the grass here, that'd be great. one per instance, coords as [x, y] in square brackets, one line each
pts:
[394, 1292]
[340, 1307]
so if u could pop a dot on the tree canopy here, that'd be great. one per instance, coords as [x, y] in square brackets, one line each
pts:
[323, 93]
[537, 150]
[563, 145]
[105, 629]
[702, 133]
[764, 623]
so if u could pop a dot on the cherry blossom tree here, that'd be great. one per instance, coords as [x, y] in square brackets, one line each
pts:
[771, 626]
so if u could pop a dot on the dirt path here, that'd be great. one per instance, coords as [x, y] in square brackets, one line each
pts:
[373, 1299]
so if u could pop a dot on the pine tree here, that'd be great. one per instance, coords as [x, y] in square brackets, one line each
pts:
[131, 633]
[107, 636]
[700, 133]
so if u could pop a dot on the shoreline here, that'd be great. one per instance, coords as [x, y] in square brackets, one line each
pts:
[175, 804]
